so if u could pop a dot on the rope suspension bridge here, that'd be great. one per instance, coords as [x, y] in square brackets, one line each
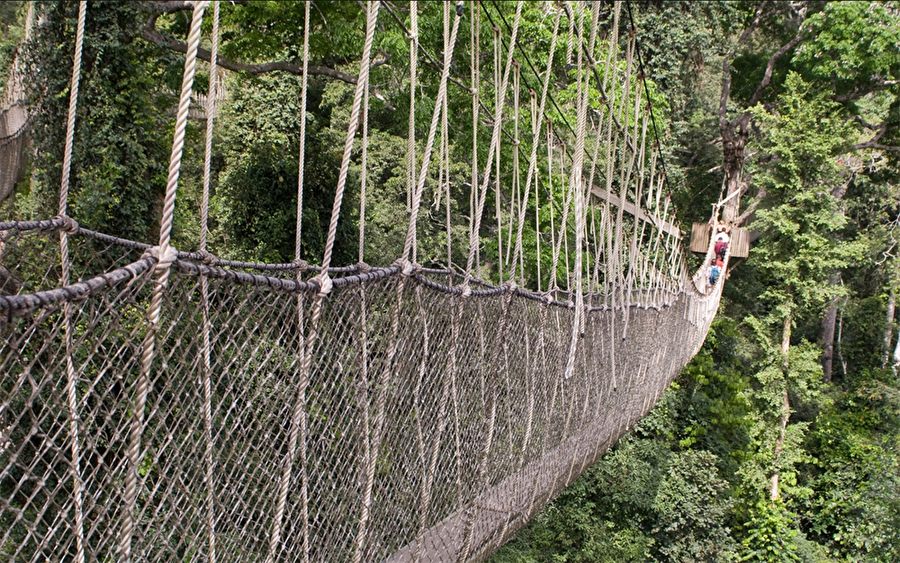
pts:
[162, 405]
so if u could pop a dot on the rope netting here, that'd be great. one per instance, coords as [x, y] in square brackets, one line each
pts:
[162, 405]
[15, 123]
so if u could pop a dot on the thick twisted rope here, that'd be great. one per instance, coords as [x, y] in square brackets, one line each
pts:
[577, 182]
[302, 157]
[71, 376]
[475, 69]
[165, 256]
[498, 117]
[301, 417]
[351, 133]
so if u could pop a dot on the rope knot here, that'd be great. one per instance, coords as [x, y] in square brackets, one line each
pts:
[69, 225]
[406, 267]
[302, 265]
[206, 258]
[325, 283]
[363, 267]
[511, 286]
[163, 257]
[466, 289]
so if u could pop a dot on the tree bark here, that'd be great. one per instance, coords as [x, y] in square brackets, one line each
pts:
[889, 328]
[774, 490]
[828, 324]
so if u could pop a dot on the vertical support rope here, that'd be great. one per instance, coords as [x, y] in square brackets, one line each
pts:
[362, 392]
[298, 427]
[165, 256]
[474, 239]
[303, 500]
[498, 117]
[363, 176]
[445, 150]
[71, 376]
[475, 44]
[206, 381]
[577, 182]
[413, 74]
[301, 163]
[73, 105]
[537, 117]
[410, 244]
[204, 287]
[361, 84]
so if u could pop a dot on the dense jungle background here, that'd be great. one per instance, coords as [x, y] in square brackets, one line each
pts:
[780, 441]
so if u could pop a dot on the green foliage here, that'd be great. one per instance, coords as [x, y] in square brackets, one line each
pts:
[851, 44]
[12, 19]
[804, 137]
[118, 163]
[771, 534]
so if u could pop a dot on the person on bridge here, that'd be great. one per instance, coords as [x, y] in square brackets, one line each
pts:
[722, 240]
[715, 269]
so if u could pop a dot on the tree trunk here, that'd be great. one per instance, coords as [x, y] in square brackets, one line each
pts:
[774, 491]
[896, 358]
[828, 324]
[889, 329]
[733, 143]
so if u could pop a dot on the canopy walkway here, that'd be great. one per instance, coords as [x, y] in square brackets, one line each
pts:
[162, 405]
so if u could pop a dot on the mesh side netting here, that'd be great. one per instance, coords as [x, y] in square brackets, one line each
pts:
[30, 260]
[455, 409]
[14, 124]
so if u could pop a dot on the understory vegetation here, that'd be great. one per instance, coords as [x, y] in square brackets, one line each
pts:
[780, 441]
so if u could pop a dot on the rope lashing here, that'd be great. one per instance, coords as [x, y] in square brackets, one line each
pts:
[164, 257]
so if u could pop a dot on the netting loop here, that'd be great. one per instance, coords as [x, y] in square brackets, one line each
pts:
[164, 258]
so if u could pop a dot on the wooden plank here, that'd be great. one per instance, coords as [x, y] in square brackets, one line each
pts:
[699, 237]
[738, 245]
[631, 208]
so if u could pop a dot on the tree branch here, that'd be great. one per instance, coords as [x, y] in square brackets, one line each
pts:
[874, 145]
[742, 218]
[868, 89]
[726, 65]
[770, 66]
[154, 36]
